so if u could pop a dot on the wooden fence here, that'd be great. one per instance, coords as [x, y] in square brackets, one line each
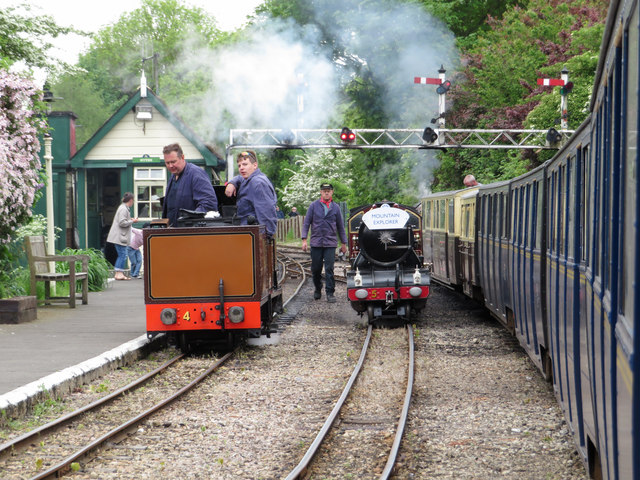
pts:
[286, 225]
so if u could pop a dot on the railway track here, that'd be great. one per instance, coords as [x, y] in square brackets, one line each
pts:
[355, 425]
[60, 446]
[297, 255]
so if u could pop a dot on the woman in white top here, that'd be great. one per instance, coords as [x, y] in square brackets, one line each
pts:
[120, 234]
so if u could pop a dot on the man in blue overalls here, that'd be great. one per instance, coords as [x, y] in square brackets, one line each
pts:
[325, 220]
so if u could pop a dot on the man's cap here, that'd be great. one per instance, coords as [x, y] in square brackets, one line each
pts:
[326, 186]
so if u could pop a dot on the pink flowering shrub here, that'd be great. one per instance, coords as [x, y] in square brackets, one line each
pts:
[20, 124]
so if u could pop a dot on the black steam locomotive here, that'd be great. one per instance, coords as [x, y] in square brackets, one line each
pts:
[387, 279]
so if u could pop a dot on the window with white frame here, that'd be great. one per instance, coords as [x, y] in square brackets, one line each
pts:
[149, 183]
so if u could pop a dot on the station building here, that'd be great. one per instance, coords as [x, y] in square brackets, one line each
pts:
[124, 155]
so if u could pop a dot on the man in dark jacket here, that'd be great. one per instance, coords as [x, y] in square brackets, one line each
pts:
[325, 220]
[256, 196]
[189, 186]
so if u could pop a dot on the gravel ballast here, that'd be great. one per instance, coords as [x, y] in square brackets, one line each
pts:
[480, 409]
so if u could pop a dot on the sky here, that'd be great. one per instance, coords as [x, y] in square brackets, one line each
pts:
[92, 15]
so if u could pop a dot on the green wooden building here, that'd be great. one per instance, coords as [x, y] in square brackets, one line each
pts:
[124, 155]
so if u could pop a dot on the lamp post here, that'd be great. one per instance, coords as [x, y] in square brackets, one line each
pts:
[48, 158]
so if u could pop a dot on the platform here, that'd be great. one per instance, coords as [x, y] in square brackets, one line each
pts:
[65, 347]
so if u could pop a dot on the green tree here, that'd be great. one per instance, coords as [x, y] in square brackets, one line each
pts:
[75, 92]
[27, 38]
[162, 27]
[311, 170]
[465, 17]
[497, 88]
[114, 61]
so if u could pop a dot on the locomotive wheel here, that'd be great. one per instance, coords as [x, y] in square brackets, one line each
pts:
[183, 343]
[370, 313]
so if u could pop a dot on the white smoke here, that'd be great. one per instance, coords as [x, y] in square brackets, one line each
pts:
[258, 81]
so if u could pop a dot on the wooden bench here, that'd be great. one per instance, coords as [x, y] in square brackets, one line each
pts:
[39, 263]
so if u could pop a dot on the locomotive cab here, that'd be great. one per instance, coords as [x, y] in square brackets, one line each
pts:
[387, 279]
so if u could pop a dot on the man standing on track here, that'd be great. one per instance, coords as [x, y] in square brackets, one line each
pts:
[325, 220]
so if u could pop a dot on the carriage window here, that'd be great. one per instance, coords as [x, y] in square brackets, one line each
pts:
[532, 212]
[584, 162]
[537, 227]
[562, 212]
[514, 216]
[500, 220]
[504, 222]
[465, 221]
[528, 217]
[472, 218]
[629, 182]
[149, 183]
[551, 181]
[451, 217]
[595, 235]
[426, 214]
[514, 206]
[442, 222]
[571, 200]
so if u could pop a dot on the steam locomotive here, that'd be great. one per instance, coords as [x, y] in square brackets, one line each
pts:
[387, 280]
[210, 282]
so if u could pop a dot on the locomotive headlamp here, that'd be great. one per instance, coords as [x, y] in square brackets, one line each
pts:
[415, 291]
[362, 293]
[417, 277]
[236, 314]
[168, 316]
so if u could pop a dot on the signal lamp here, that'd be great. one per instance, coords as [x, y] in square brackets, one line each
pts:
[443, 87]
[429, 135]
[347, 136]
[553, 136]
[566, 88]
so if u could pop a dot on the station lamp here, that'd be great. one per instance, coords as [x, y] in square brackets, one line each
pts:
[347, 137]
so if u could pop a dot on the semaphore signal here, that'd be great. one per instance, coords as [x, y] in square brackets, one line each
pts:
[551, 82]
[567, 86]
[427, 81]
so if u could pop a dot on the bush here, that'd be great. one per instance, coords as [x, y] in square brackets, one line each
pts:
[14, 272]
[98, 267]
